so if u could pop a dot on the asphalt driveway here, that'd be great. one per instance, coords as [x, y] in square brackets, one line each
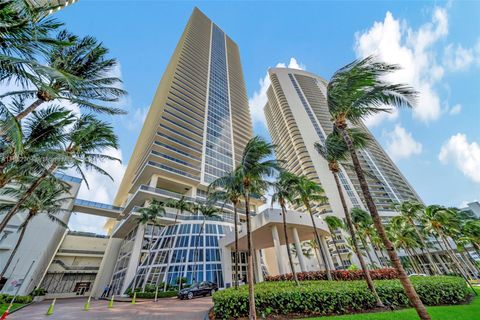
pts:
[163, 309]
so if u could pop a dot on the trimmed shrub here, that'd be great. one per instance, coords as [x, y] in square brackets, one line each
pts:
[334, 297]
[151, 295]
[6, 298]
[343, 275]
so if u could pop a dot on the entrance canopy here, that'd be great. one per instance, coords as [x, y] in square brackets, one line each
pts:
[270, 219]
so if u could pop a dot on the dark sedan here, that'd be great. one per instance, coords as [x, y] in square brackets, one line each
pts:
[199, 289]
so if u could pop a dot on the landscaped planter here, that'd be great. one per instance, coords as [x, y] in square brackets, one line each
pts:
[314, 298]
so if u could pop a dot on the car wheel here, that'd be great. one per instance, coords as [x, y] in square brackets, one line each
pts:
[212, 292]
[190, 295]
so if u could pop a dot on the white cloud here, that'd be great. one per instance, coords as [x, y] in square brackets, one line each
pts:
[102, 189]
[393, 41]
[458, 58]
[135, 119]
[401, 144]
[259, 98]
[463, 155]
[456, 109]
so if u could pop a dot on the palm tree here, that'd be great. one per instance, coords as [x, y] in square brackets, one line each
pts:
[334, 224]
[84, 145]
[355, 92]
[282, 192]
[307, 192]
[25, 33]
[255, 166]
[361, 221]
[333, 151]
[181, 205]
[48, 198]
[403, 236]
[439, 221]
[231, 191]
[411, 211]
[150, 214]
[307, 248]
[207, 211]
[91, 80]
[24, 146]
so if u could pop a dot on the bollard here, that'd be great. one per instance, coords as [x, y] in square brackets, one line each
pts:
[87, 305]
[156, 294]
[134, 299]
[51, 308]
[5, 314]
[110, 304]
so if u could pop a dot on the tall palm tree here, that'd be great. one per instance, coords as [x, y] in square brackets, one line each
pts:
[25, 32]
[306, 193]
[411, 211]
[361, 221]
[335, 150]
[150, 214]
[181, 205]
[92, 77]
[403, 236]
[230, 186]
[24, 147]
[83, 147]
[47, 199]
[438, 220]
[255, 166]
[207, 211]
[353, 93]
[282, 192]
[334, 224]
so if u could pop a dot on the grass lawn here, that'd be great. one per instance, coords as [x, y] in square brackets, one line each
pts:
[4, 307]
[465, 312]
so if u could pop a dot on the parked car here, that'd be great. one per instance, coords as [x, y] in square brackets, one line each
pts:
[198, 289]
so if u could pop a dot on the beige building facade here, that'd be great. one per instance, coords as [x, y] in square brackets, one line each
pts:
[297, 117]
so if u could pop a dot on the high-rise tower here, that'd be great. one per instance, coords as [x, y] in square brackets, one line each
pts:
[297, 117]
[195, 131]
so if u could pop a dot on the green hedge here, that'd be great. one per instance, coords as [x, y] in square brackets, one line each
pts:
[334, 297]
[151, 295]
[6, 298]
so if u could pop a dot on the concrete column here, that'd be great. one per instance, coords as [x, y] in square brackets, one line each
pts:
[153, 181]
[134, 257]
[327, 253]
[278, 250]
[298, 247]
[227, 266]
[107, 266]
[258, 266]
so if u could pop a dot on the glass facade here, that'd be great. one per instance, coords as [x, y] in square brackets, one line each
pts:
[218, 147]
[184, 250]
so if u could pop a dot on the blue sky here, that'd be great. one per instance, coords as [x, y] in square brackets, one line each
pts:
[436, 146]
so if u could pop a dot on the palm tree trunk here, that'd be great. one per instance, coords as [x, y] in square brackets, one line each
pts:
[406, 283]
[433, 265]
[195, 253]
[165, 277]
[25, 197]
[235, 215]
[320, 244]
[29, 109]
[374, 251]
[353, 235]
[454, 258]
[336, 248]
[290, 260]
[317, 256]
[19, 241]
[365, 246]
[252, 312]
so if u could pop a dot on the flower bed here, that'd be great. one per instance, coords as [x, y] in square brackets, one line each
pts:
[334, 297]
[343, 275]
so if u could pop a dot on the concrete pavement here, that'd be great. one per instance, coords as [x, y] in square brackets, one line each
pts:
[163, 309]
